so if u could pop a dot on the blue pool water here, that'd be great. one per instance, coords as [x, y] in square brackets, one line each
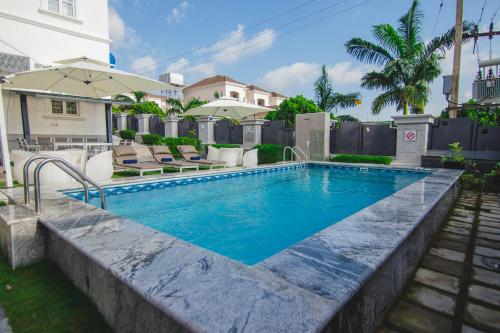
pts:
[251, 217]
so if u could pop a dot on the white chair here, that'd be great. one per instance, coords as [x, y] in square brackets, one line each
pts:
[250, 158]
[228, 155]
[213, 154]
[239, 152]
[100, 166]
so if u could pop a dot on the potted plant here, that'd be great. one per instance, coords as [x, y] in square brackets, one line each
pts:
[455, 160]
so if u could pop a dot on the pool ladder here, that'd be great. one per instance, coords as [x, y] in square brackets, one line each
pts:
[295, 153]
[65, 166]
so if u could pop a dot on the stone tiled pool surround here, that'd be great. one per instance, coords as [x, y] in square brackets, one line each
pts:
[340, 278]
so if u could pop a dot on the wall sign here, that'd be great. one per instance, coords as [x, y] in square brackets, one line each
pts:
[410, 135]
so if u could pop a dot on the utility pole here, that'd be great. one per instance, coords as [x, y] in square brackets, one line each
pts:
[457, 53]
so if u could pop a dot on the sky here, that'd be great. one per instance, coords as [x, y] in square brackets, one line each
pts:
[281, 45]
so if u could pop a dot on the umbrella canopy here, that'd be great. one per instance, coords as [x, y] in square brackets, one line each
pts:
[227, 107]
[82, 77]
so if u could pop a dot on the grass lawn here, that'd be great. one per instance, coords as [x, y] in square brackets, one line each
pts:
[42, 299]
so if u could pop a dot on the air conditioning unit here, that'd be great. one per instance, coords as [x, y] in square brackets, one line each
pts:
[174, 79]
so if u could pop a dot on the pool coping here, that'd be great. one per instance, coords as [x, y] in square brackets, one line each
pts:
[301, 288]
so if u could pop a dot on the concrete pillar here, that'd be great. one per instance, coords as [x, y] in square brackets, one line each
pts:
[312, 135]
[172, 127]
[142, 126]
[412, 138]
[206, 129]
[121, 121]
[252, 132]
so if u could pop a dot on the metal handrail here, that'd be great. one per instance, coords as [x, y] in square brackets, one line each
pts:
[294, 153]
[70, 170]
[301, 151]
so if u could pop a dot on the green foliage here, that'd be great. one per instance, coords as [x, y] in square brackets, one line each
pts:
[445, 114]
[177, 107]
[172, 143]
[271, 115]
[486, 116]
[139, 95]
[146, 108]
[192, 133]
[188, 117]
[271, 153]
[43, 299]
[409, 63]
[456, 154]
[329, 101]
[151, 139]
[293, 106]
[116, 109]
[472, 182]
[127, 134]
[345, 118]
[372, 159]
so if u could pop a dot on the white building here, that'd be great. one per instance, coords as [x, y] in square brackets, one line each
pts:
[34, 33]
[221, 85]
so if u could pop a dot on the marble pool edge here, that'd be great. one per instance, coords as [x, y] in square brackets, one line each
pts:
[278, 302]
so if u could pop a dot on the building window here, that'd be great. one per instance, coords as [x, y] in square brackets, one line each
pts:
[63, 7]
[62, 107]
[261, 102]
[234, 94]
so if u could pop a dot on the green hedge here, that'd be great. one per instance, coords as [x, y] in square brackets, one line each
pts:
[151, 139]
[271, 153]
[172, 143]
[127, 134]
[372, 159]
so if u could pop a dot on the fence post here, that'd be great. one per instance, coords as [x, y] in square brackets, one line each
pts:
[412, 137]
[172, 127]
[142, 126]
[252, 132]
[121, 121]
[206, 129]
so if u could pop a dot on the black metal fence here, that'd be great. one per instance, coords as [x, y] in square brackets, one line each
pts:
[186, 127]
[276, 132]
[156, 125]
[364, 139]
[132, 123]
[227, 132]
[471, 135]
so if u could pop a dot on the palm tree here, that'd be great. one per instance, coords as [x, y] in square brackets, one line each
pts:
[409, 64]
[177, 107]
[327, 100]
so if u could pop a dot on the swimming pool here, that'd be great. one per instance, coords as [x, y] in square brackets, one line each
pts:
[251, 215]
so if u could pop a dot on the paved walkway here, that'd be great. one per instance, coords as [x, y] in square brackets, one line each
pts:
[4, 322]
[457, 286]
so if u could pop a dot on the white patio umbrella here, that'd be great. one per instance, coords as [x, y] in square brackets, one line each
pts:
[81, 76]
[227, 107]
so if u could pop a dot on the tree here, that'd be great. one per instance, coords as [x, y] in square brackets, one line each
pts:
[409, 64]
[329, 101]
[146, 108]
[177, 107]
[139, 95]
[292, 106]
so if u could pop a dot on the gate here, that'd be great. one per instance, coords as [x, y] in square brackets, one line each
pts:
[366, 139]
[276, 132]
[227, 132]
[156, 126]
[186, 126]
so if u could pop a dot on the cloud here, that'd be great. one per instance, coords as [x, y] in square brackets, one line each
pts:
[122, 35]
[233, 47]
[143, 64]
[178, 13]
[298, 77]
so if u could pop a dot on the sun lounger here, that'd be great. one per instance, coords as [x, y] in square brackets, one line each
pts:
[163, 155]
[126, 157]
[190, 154]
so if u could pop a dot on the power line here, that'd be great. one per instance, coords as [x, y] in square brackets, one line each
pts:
[437, 18]
[140, 70]
[295, 29]
[232, 33]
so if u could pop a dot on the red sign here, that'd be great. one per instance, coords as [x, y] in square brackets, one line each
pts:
[410, 135]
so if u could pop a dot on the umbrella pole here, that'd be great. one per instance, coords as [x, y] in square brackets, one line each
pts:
[4, 143]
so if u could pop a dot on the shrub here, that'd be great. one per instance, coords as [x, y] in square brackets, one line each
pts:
[127, 134]
[472, 182]
[151, 139]
[223, 145]
[373, 159]
[271, 153]
[172, 143]
[146, 108]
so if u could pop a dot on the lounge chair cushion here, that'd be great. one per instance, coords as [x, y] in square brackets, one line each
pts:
[160, 150]
[167, 159]
[187, 149]
[195, 158]
[123, 150]
[130, 161]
